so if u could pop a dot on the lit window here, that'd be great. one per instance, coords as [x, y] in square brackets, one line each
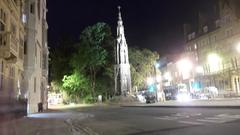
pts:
[24, 18]
[195, 46]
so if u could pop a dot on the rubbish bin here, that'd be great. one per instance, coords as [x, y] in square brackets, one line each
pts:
[40, 107]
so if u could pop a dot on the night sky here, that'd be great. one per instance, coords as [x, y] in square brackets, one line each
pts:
[152, 24]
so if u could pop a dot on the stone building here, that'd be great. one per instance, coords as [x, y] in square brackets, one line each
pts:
[36, 54]
[122, 67]
[214, 42]
[11, 49]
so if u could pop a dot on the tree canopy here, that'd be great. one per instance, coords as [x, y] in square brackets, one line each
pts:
[142, 63]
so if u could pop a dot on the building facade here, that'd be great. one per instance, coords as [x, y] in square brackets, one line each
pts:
[11, 50]
[36, 54]
[215, 43]
[122, 67]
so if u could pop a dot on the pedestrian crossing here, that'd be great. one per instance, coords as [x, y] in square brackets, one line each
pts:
[199, 118]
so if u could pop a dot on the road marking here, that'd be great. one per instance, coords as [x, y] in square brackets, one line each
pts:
[212, 121]
[229, 116]
[190, 122]
[181, 115]
[196, 114]
[167, 118]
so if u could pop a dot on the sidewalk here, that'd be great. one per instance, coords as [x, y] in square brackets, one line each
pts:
[214, 103]
[34, 126]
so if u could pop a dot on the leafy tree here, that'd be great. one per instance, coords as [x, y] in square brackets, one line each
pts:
[76, 85]
[142, 63]
[93, 56]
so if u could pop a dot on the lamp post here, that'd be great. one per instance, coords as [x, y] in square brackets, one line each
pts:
[157, 79]
[214, 62]
[185, 67]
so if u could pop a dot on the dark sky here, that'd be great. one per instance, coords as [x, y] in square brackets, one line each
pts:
[152, 24]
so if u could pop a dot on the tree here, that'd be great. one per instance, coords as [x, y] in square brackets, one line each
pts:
[93, 56]
[142, 63]
[76, 85]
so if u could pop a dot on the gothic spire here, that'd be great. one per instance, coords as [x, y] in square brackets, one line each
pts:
[119, 13]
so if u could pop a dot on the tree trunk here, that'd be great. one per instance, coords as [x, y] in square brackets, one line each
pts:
[92, 76]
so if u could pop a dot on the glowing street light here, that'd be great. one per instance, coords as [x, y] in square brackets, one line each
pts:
[185, 66]
[238, 47]
[214, 61]
[157, 65]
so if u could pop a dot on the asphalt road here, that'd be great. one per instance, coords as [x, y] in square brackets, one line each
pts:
[160, 121]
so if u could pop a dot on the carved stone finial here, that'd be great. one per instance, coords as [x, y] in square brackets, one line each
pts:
[119, 13]
[119, 8]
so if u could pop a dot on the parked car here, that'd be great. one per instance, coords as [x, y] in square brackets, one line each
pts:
[170, 93]
[150, 97]
[141, 97]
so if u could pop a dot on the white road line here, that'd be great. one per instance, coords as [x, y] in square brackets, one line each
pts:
[166, 118]
[190, 122]
[212, 121]
[229, 116]
[196, 114]
[215, 118]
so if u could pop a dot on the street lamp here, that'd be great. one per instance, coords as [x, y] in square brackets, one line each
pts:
[157, 65]
[185, 66]
[214, 62]
[238, 47]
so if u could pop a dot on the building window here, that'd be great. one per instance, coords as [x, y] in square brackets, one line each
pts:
[24, 18]
[214, 38]
[205, 29]
[32, 8]
[13, 30]
[1, 75]
[44, 61]
[3, 38]
[39, 7]
[40, 60]
[217, 23]
[2, 20]
[195, 46]
[189, 37]
[228, 32]
[35, 89]
[193, 35]
[25, 47]
[12, 72]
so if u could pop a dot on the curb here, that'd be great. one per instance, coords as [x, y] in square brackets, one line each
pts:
[184, 106]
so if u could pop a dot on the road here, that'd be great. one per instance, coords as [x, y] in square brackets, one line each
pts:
[114, 120]
[162, 121]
